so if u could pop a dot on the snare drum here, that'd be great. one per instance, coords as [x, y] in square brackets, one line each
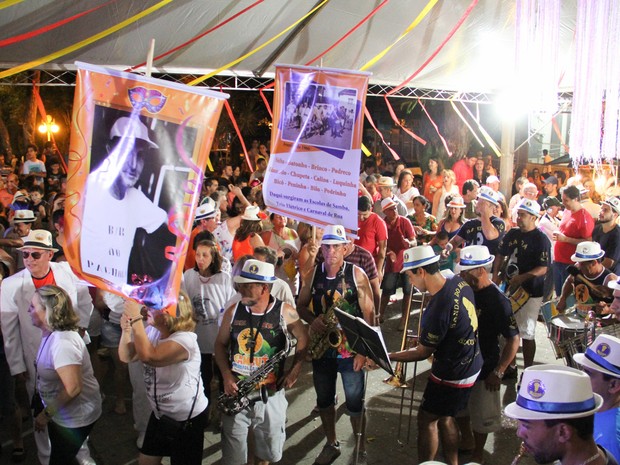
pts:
[518, 299]
[567, 334]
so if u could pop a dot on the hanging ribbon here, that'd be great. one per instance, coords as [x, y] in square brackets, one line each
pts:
[411, 27]
[372, 123]
[200, 36]
[473, 133]
[259, 48]
[558, 133]
[424, 65]
[238, 131]
[49, 27]
[8, 3]
[485, 134]
[443, 141]
[83, 43]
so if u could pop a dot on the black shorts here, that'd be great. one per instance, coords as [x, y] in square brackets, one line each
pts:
[443, 400]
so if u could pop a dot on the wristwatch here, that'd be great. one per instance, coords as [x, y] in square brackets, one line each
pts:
[499, 374]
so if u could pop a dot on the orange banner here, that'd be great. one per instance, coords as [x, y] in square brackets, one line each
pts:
[136, 164]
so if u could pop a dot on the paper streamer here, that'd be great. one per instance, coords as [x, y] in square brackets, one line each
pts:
[83, 43]
[485, 134]
[473, 133]
[8, 3]
[238, 131]
[372, 123]
[443, 141]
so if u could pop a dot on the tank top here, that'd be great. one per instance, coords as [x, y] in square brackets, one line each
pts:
[587, 296]
[326, 291]
[266, 332]
[241, 248]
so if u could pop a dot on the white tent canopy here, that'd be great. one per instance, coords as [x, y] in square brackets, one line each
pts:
[478, 58]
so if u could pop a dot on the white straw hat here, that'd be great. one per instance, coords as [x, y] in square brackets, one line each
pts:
[587, 251]
[334, 234]
[603, 356]
[475, 256]
[131, 128]
[255, 271]
[416, 257]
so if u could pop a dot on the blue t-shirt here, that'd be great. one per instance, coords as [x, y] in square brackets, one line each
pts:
[607, 431]
[450, 324]
[471, 233]
[527, 250]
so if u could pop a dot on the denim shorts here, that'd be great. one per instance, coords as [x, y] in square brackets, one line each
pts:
[324, 374]
[110, 334]
[394, 280]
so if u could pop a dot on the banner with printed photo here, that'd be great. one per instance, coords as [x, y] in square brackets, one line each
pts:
[136, 164]
[316, 140]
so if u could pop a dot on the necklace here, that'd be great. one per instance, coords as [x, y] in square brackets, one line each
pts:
[591, 459]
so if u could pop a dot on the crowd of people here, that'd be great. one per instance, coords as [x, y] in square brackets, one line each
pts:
[257, 302]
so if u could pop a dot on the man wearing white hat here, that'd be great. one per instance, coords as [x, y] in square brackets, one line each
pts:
[528, 252]
[587, 281]
[207, 218]
[386, 185]
[22, 224]
[495, 319]
[449, 325]
[607, 232]
[336, 282]
[555, 407]
[485, 230]
[252, 331]
[21, 338]
[601, 361]
[114, 208]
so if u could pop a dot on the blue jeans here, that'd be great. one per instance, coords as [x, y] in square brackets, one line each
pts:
[324, 374]
[560, 274]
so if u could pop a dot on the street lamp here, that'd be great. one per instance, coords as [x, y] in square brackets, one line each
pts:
[48, 126]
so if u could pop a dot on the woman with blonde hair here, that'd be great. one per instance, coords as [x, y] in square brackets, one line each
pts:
[448, 187]
[169, 350]
[67, 399]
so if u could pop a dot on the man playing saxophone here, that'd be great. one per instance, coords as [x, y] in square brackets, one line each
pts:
[252, 332]
[336, 283]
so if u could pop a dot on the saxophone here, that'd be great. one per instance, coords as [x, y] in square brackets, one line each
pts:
[332, 337]
[247, 394]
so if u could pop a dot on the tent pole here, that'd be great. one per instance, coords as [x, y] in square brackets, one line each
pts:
[506, 161]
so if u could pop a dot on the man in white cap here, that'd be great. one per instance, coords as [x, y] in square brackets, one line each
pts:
[528, 252]
[114, 208]
[21, 338]
[336, 282]
[607, 232]
[601, 361]
[493, 183]
[207, 219]
[495, 320]
[485, 230]
[386, 185]
[253, 331]
[588, 281]
[449, 326]
[22, 224]
[555, 407]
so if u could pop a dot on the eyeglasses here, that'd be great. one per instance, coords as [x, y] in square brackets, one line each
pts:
[35, 255]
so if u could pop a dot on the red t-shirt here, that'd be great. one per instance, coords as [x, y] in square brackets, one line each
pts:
[463, 172]
[370, 233]
[577, 225]
[45, 280]
[396, 242]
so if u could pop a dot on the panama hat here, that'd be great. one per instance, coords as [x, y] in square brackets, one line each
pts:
[587, 251]
[614, 203]
[529, 206]
[551, 392]
[416, 257]
[486, 193]
[334, 234]
[456, 202]
[388, 203]
[205, 211]
[475, 256]
[38, 239]
[603, 356]
[385, 181]
[251, 213]
[23, 216]
[492, 179]
[131, 128]
[255, 271]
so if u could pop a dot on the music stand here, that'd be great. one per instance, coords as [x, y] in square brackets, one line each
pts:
[364, 339]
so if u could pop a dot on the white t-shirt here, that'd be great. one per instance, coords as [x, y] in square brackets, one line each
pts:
[109, 227]
[35, 166]
[60, 349]
[209, 297]
[176, 383]
[225, 240]
[407, 196]
[116, 304]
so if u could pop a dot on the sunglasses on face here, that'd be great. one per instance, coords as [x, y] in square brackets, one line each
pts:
[35, 255]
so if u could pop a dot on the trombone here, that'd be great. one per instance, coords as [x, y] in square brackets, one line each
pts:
[400, 371]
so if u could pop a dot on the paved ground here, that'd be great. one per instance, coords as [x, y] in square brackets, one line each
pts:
[113, 439]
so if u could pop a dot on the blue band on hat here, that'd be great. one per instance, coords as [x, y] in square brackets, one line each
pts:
[596, 358]
[475, 262]
[556, 407]
[417, 262]
[589, 257]
[257, 277]
[332, 237]
[489, 198]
